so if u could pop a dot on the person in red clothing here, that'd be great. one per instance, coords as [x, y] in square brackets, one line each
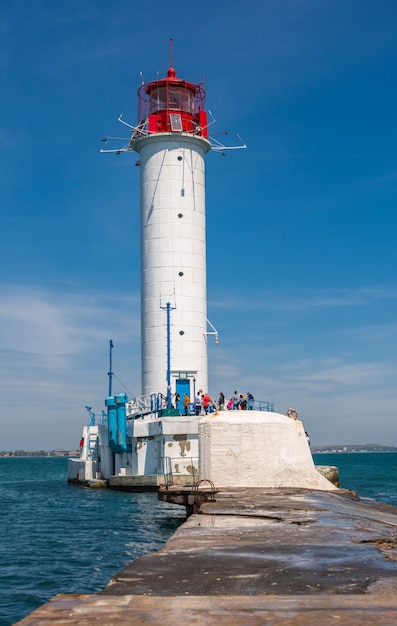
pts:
[206, 402]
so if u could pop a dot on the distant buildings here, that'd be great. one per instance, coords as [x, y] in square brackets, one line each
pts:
[59, 452]
[367, 447]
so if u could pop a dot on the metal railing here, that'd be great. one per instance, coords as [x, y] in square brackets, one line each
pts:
[153, 403]
[145, 405]
[168, 463]
[258, 405]
[94, 419]
[263, 405]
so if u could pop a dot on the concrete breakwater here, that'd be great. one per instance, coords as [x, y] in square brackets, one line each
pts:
[255, 556]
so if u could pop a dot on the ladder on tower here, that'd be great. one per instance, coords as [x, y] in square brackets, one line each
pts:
[92, 446]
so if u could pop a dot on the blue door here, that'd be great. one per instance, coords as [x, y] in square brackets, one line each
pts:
[182, 387]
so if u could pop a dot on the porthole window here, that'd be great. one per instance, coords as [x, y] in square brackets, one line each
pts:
[180, 215]
[179, 158]
[181, 332]
[180, 273]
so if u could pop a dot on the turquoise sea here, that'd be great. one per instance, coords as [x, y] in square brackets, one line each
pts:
[58, 538]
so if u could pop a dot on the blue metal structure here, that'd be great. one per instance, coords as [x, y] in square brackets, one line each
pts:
[263, 405]
[91, 421]
[117, 423]
[168, 309]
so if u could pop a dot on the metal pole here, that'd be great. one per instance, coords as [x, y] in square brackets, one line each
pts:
[169, 399]
[110, 373]
[168, 308]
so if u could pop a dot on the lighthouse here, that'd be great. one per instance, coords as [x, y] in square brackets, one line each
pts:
[142, 445]
[171, 138]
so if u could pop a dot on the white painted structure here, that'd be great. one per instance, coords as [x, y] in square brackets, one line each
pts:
[173, 260]
[257, 449]
[163, 451]
[96, 460]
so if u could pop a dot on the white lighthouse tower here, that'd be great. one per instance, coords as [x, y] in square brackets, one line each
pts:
[172, 139]
[143, 443]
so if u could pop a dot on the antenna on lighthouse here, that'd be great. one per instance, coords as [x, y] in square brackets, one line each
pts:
[171, 42]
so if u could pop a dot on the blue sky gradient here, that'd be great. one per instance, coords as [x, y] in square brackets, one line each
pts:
[301, 226]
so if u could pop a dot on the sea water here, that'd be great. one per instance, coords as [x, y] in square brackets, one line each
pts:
[370, 474]
[59, 538]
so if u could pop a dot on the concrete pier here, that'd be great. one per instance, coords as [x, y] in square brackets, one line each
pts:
[256, 556]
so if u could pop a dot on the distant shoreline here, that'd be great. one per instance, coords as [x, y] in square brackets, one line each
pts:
[324, 449]
[38, 453]
[358, 449]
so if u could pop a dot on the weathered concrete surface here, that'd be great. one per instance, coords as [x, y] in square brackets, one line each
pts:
[254, 556]
[151, 482]
[276, 541]
[345, 610]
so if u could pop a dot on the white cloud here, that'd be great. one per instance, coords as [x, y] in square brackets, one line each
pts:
[54, 349]
[302, 299]
[56, 323]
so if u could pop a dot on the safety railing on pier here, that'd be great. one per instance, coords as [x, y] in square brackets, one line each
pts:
[145, 405]
[154, 403]
[263, 405]
[95, 419]
[259, 405]
[168, 465]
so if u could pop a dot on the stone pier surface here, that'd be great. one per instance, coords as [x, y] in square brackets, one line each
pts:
[256, 556]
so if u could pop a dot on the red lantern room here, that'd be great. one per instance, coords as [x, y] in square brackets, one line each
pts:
[172, 105]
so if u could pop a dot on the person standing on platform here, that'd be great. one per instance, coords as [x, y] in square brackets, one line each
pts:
[206, 402]
[198, 401]
[186, 401]
[250, 401]
[221, 401]
[242, 403]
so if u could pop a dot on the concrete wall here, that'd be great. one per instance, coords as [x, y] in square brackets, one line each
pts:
[80, 470]
[256, 449]
[168, 445]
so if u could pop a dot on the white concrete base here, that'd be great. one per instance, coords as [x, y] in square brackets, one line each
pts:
[256, 449]
[80, 470]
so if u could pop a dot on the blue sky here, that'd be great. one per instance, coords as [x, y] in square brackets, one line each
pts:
[302, 261]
